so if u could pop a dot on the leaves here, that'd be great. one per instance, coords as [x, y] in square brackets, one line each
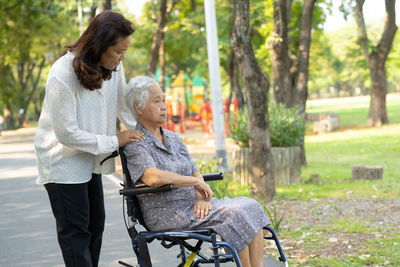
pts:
[287, 127]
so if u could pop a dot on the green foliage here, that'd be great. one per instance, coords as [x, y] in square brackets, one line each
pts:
[286, 127]
[273, 217]
[226, 187]
[238, 129]
[32, 32]
[207, 166]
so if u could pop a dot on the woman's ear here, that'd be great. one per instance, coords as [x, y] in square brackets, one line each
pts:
[136, 107]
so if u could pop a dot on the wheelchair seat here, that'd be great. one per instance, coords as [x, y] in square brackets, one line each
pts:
[191, 255]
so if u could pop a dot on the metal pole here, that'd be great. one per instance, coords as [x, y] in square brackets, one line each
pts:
[215, 83]
[80, 17]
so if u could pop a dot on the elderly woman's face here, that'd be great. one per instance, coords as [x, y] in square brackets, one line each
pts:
[115, 54]
[155, 111]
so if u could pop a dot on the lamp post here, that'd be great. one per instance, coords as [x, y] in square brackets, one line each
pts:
[80, 17]
[215, 83]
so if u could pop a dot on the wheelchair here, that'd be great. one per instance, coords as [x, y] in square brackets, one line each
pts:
[190, 242]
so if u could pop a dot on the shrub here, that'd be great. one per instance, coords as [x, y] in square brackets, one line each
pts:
[286, 127]
[225, 187]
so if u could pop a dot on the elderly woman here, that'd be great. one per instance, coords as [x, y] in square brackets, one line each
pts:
[162, 158]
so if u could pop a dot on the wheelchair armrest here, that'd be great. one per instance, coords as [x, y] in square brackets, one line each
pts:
[145, 190]
[213, 176]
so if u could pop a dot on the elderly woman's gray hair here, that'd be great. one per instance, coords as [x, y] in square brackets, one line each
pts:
[137, 91]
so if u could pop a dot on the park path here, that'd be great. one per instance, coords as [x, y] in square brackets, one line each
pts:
[27, 228]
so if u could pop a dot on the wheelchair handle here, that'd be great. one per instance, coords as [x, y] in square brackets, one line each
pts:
[213, 176]
[145, 190]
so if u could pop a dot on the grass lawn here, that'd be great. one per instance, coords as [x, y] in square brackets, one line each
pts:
[333, 220]
[353, 111]
[332, 156]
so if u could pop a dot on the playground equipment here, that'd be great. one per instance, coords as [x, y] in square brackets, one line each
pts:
[188, 106]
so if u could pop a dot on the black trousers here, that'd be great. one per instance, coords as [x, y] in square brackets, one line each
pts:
[80, 216]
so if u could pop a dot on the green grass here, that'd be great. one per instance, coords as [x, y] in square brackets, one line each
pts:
[332, 155]
[353, 111]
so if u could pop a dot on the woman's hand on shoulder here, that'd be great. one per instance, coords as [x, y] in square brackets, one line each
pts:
[128, 136]
[201, 208]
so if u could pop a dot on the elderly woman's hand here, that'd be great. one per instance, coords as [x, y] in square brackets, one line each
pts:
[205, 190]
[201, 208]
[128, 136]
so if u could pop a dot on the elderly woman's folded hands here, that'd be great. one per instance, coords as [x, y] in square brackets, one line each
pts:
[201, 208]
[204, 190]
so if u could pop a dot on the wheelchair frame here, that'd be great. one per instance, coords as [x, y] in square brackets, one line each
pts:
[172, 238]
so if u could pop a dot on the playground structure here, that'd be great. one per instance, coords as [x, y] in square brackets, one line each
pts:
[188, 106]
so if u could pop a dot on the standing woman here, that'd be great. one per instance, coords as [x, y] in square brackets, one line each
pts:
[77, 129]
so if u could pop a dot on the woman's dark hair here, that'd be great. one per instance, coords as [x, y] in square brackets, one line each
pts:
[104, 31]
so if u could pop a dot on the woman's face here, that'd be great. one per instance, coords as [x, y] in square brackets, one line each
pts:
[155, 111]
[114, 54]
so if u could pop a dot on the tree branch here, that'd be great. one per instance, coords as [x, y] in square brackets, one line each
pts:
[362, 30]
[19, 2]
[389, 31]
[171, 7]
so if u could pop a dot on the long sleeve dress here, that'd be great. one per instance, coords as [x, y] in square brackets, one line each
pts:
[236, 220]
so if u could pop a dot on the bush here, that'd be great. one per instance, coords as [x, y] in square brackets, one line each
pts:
[225, 187]
[286, 127]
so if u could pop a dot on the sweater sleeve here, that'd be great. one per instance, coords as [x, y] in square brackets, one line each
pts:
[62, 103]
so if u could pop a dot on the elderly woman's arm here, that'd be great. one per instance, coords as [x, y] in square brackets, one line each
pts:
[155, 178]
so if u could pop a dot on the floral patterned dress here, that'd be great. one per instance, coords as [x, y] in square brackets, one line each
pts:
[236, 220]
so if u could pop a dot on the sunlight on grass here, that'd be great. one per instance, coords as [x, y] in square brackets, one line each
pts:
[353, 111]
[331, 156]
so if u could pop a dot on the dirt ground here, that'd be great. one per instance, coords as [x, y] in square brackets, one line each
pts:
[319, 213]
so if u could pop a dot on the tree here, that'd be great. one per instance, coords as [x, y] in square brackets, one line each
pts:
[31, 30]
[279, 51]
[164, 10]
[107, 5]
[256, 85]
[376, 57]
[290, 70]
[303, 56]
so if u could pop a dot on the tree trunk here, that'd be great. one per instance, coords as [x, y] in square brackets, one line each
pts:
[162, 64]
[256, 85]
[304, 55]
[279, 52]
[155, 47]
[377, 111]
[37, 109]
[92, 12]
[233, 74]
[34, 84]
[376, 60]
[9, 117]
[107, 5]
[164, 12]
